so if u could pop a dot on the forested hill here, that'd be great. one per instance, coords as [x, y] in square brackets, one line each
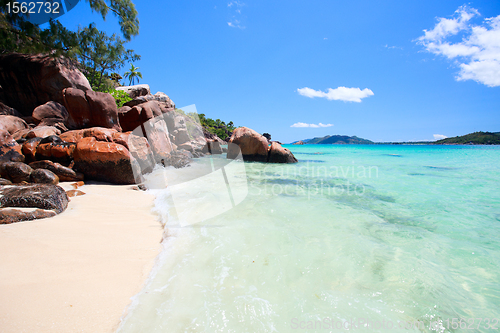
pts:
[335, 139]
[477, 138]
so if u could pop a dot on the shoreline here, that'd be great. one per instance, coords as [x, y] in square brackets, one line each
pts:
[78, 271]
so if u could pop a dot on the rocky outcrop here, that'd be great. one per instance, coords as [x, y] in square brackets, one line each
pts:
[100, 133]
[43, 176]
[8, 111]
[90, 109]
[8, 216]
[51, 114]
[298, 143]
[133, 117]
[32, 80]
[165, 102]
[254, 147]
[16, 172]
[4, 181]
[278, 154]
[43, 196]
[29, 148]
[12, 124]
[63, 173]
[178, 159]
[10, 150]
[212, 137]
[52, 96]
[212, 147]
[37, 132]
[104, 161]
[136, 91]
[61, 152]
[156, 132]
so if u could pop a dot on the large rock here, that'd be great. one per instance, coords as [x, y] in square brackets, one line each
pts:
[4, 181]
[140, 149]
[37, 132]
[278, 154]
[156, 132]
[133, 117]
[103, 161]
[212, 147]
[100, 133]
[90, 109]
[12, 124]
[65, 174]
[50, 113]
[253, 146]
[7, 110]
[16, 172]
[8, 216]
[136, 91]
[75, 101]
[43, 176]
[32, 80]
[56, 151]
[103, 109]
[29, 148]
[43, 196]
[177, 159]
[10, 150]
[166, 104]
[164, 100]
[212, 137]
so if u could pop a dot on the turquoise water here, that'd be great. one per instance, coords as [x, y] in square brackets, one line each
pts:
[350, 238]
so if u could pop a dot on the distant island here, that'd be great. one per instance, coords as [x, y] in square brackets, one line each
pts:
[476, 138]
[335, 140]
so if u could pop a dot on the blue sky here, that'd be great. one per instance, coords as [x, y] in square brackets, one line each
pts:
[355, 67]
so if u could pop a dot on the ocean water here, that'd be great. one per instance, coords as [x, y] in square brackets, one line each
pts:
[352, 238]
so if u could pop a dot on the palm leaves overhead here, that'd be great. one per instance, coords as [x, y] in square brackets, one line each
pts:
[133, 74]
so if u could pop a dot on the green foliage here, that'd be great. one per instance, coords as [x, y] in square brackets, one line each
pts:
[19, 35]
[96, 52]
[105, 84]
[478, 138]
[120, 96]
[217, 127]
[99, 54]
[124, 10]
[133, 74]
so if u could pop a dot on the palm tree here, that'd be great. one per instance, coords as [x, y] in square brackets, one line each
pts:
[133, 74]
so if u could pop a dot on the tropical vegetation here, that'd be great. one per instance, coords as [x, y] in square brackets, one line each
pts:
[132, 74]
[478, 138]
[97, 54]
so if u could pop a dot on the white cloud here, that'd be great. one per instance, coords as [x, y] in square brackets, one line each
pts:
[235, 24]
[477, 54]
[446, 27]
[311, 125]
[235, 21]
[439, 136]
[393, 47]
[340, 93]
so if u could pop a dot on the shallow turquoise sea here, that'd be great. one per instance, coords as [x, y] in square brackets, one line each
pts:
[373, 238]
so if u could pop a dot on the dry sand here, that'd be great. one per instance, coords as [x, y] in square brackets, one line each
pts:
[77, 271]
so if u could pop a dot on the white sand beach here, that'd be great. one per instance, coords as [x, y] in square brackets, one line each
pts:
[77, 272]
